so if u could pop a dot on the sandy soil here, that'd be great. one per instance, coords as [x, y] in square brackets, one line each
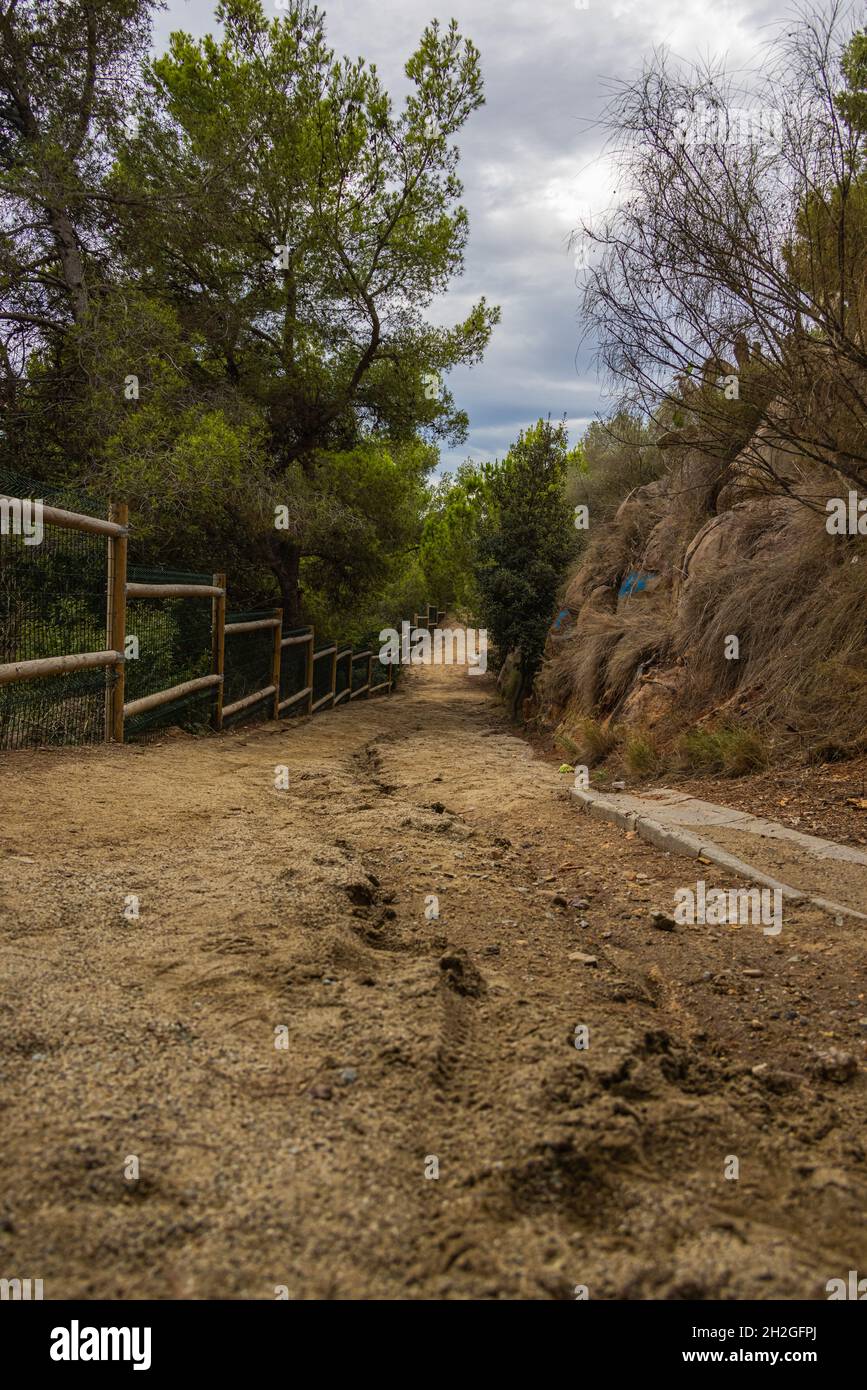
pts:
[410, 1044]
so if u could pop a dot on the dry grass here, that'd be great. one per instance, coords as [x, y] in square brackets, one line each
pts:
[597, 667]
[643, 755]
[587, 741]
[731, 751]
[794, 596]
[801, 621]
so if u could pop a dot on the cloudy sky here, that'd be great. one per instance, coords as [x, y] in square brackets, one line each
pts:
[532, 165]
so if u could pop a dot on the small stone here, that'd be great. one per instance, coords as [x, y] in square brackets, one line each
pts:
[618, 786]
[662, 921]
[347, 1076]
[491, 951]
[578, 903]
[834, 1065]
[320, 1092]
[753, 974]
[581, 958]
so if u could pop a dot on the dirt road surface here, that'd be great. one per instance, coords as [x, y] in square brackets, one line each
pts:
[287, 1049]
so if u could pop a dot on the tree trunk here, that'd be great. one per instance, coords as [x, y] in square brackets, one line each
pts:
[286, 567]
[70, 260]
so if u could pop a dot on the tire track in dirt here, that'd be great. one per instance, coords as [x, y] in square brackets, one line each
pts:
[403, 1038]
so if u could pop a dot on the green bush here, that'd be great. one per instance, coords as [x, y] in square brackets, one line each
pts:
[733, 752]
[642, 755]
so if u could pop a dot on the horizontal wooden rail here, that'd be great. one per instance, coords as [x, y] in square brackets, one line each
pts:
[341, 695]
[72, 521]
[174, 591]
[56, 665]
[284, 704]
[248, 700]
[383, 685]
[293, 641]
[362, 689]
[329, 696]
[167, 697]
[359, 655]
[253, 625]
[326, 651]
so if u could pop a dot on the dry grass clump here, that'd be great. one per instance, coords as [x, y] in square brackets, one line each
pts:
[598, 665]
[586, 741]
[800, 617]
[731, 751]
[643, 754]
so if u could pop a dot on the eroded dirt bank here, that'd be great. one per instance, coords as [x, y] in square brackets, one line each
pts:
[408, 1039]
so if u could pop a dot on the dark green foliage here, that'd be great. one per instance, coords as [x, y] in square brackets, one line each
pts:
[526, 537]
[216, 268]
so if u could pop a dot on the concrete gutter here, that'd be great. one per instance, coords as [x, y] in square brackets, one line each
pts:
[662, 820]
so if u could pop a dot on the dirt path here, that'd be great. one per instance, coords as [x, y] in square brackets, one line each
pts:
[407, 1040]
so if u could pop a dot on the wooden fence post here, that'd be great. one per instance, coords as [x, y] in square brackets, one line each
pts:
[308, 679]
[218, 649]
[115, 623]
[275, 662]
[333, 675]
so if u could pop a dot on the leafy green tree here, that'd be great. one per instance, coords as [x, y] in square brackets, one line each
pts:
[67, 67]
[300, 227]
[450, 539]
[613, 458]
[526, 537]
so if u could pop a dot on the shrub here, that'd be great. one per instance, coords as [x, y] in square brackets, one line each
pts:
[589, 742]
[642, 755]
[731, 751]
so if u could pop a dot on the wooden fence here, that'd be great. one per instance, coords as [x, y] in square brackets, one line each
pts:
[343, 660]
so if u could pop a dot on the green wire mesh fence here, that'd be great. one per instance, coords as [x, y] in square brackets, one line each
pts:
[248, 669]
[343, 675]
[293, 670]
[168, 642]
[322, 665]
[52, 603]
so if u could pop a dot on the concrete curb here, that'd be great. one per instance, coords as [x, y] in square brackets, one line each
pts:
[682, 841]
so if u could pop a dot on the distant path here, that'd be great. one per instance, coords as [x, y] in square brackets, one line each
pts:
[407, 1039]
